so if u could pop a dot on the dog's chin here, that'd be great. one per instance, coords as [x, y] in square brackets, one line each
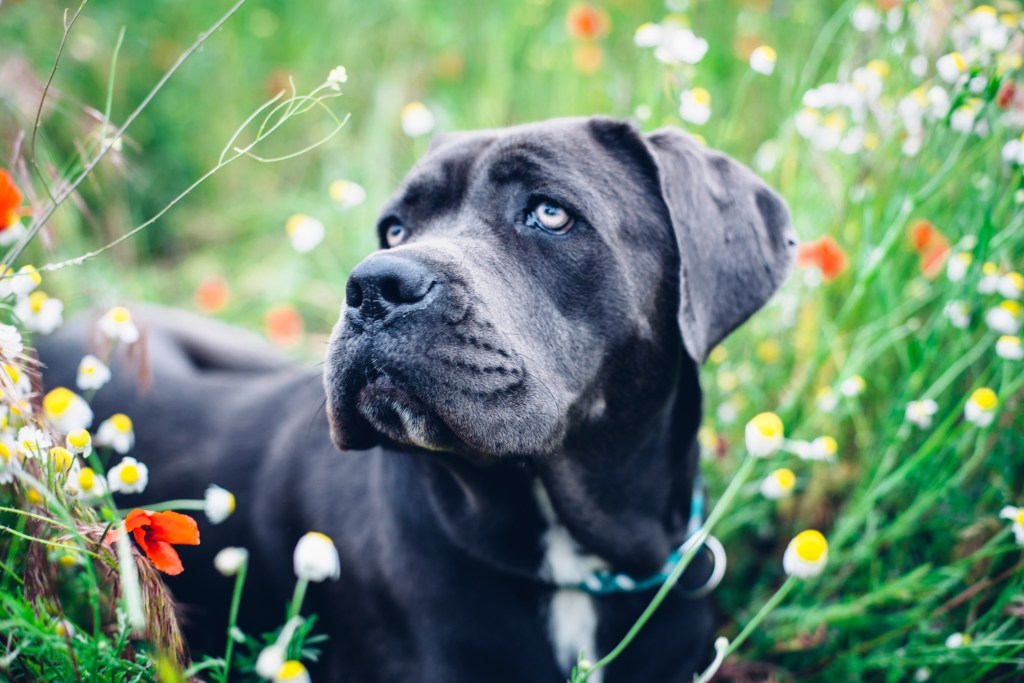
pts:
[401, 418]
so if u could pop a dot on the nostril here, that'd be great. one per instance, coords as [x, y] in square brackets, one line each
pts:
[404, 290]
[353, 293]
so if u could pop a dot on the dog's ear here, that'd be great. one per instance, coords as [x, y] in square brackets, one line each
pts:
[736, 244]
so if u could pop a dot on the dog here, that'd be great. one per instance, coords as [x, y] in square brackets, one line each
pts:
[512, 402]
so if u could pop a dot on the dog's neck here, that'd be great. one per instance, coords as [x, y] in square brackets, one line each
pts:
[620, 494]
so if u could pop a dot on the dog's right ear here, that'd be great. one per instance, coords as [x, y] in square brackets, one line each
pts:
[736, 244]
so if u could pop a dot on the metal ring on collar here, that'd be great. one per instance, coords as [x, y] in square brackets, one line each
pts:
[718, 560]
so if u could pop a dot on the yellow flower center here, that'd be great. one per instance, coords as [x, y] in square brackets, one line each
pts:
[769, 351]
[57, 401]
[129, 474]
[700, 96]
[36, 301]
[829, 445]
[322, 537]
[120, 314]
[984, 9]
[718, 355]
[86, 478]
[965, 258]
[768, 425]
[5, 453]
[13, 372]
[958, 60]
[295, 222]
[985, 398]
[989, 268]
[835, 121]
[879, 66]
[1016, 279]
[231, 503]
[291, 669]
[79, 438]
[67, 560]
[810, 545]
[768, 53]
[32, 273]
[1012, 307]
[61, 458]
[34, 497]
[785, 478]
[121, 422]
[1008, 339]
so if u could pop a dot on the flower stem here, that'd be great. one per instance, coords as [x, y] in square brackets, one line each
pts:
[723, 505]
[297, 598]
[772, 603]
[236, 599]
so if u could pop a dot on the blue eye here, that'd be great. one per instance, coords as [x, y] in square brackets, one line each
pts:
[550, 217]
[395, 234]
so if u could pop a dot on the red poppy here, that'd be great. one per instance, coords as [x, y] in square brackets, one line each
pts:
[284, 326]
[587, 22]
[1006, 94]
[155, 532]
[931, 246]
[10, 200]
[824, 254]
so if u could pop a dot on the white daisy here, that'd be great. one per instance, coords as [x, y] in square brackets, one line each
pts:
[92, 373]
[117, 325]
[316, 558]
[806, 555]
[128, 476]
[40, 312]
[66, 410]
[219, 504]
[117, 432]
[920, 412]
[305, 232]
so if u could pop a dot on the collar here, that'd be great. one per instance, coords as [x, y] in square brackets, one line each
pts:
[606, 583]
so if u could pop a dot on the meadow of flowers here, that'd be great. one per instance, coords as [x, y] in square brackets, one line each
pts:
[864, 433]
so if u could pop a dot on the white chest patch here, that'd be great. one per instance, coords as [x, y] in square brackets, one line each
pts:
[572, 615]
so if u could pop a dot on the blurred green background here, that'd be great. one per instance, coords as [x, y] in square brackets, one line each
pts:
[475, 65]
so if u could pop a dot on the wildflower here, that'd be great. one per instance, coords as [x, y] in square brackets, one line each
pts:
[1013, 151]
[117, 325]
[762, 60]
[292, 671]
[219, 504]
[117, 432]
[922, 674]
[586, 22]
[865, 18]
[346, 194]
[1005, 318]
[336, 77]
[852, 386]
[40, 312]
[1009, 347]
[128, 476]
[305, 232]
[11, 344]
[10, 202]
[79, 442]
[7, 464]
[981, 407]
[270, 660]
[33, 441]
[61, 458]
[823, 448]
[826, 399]
[229, 561]
[417, 120]
[778, 484]
[316, 558]
[22, 283]
[157, 533]
[66, 410]
[695, 106]
[679, 45]
[647, 35]
[957, 266]
[958, 314]
[824, 254]
[1011, 285]
[920, 412]
[951, 67]
[990, 277]
[981, 17]
[284, 325]
[1016, 515]
[212, 294]
[16, 381]
[769, 351]
[764, 434]
[806, 555]
[806, 122]
[957, 639]
[86, 485]
[64, 628]
[92, 373]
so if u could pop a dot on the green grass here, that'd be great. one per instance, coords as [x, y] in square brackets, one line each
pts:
[917, 550]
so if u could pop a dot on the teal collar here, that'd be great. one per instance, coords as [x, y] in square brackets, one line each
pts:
[602, 582]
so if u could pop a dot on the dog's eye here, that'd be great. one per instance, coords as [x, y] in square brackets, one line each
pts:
[550, 217]
[395, 234]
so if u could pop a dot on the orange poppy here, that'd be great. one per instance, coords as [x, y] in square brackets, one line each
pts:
[931, 246]
[155, 532]
[825, 254]
[284, 326]
[10, 200]
[587, 22]
[212, 294]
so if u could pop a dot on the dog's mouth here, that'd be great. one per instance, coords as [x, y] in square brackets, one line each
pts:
[395, 413]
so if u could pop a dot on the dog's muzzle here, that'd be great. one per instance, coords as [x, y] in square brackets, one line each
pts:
[385, 285]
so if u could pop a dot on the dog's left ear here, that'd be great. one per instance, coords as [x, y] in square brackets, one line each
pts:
[736, 244]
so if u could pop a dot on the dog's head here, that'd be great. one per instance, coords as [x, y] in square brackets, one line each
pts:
[543, 281]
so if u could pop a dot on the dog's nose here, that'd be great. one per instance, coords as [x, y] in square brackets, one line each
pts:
[384, 282]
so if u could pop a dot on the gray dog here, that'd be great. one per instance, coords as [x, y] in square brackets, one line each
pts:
[514, 377]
